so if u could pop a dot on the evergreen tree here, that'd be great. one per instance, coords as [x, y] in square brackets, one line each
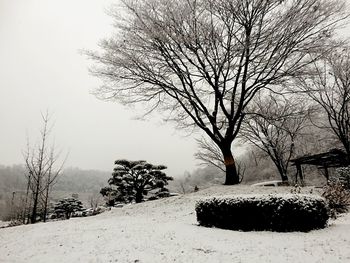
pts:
[134, 179]
[67, 206]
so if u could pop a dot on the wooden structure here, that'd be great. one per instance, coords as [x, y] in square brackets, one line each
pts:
[333, 158]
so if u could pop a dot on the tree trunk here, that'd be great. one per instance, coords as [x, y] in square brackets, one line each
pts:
[139, 197]
[26, 200]
[46, 198]
[282, 172]
[284, 178]
[35, 203]
[232, 177]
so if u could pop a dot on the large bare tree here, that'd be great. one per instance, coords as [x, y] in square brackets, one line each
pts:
[328, 84]
[201, 62]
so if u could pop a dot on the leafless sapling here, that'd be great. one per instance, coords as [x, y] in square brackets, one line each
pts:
[42, 172]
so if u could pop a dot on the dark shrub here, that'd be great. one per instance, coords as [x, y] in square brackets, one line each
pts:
[281, 213]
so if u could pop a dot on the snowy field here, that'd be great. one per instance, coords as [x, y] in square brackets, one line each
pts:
[3, 224]
[166, 231]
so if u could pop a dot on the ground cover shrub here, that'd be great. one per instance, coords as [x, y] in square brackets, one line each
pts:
[282, 213]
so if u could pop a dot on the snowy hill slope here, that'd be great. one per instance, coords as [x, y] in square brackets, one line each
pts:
[166, 231]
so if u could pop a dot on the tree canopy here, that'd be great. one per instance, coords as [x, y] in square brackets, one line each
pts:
[201, 62]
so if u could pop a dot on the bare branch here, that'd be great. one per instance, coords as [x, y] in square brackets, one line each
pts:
[328, 84]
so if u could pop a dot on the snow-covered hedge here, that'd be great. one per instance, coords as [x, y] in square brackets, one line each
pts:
[281, 213]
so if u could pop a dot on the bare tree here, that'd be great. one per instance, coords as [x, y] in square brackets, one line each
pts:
[94, 200]
[42, 172]
[210, 154]
[182, 183]
[328, 84]
[201, 62]
[274, 125]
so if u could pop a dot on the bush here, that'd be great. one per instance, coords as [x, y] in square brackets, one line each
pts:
[337, 197]
[344, 176]
[281, 213]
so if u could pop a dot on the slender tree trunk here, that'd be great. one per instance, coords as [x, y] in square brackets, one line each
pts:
[47, 192]
[29, 214]
[232, 176]
[35, 203]
[46, 199]
[26, 200]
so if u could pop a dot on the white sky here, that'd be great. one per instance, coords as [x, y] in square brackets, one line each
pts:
[41, 68]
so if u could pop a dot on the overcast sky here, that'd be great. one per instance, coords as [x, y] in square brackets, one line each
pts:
[41, 68]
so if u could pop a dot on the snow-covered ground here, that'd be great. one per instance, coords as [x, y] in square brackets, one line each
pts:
[3, 224]
[166, 231]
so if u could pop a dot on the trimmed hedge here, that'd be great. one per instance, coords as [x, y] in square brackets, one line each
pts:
[282, 213]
